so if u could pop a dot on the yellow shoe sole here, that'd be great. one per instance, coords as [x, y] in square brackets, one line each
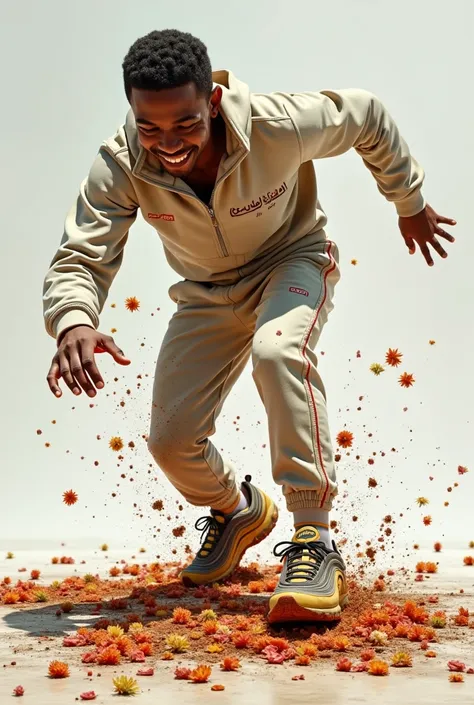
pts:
[291, 607]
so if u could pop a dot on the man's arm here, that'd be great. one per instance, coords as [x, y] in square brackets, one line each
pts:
[81, 273]
[330, 123]
[91, 250]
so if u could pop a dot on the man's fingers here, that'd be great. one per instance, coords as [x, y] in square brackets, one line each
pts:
[66, 374]
[80, 375]
[89, 365]
[443, 233]
[438, 248]
[109, 344]
[410, 243]
[426, 254]
[52, 378]
[443, 219]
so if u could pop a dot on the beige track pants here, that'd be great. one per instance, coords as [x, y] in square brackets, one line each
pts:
[274, 316]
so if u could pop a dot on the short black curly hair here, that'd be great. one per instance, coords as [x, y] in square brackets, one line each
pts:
[167, 59]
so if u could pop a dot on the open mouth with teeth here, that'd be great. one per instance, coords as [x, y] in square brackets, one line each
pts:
[177, 161]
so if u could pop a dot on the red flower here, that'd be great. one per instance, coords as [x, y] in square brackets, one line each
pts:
[456, 666]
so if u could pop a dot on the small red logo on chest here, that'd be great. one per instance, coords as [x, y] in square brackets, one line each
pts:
[161, 216]
[295, 290]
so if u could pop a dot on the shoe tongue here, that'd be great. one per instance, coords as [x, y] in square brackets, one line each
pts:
[218, 516]
[305, 534]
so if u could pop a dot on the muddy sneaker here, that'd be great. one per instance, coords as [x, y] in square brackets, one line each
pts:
[226, 540]
[312, 586]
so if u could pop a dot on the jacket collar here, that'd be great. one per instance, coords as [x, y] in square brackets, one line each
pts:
[234, 108]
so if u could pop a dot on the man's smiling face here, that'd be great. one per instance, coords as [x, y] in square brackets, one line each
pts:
[174, 124]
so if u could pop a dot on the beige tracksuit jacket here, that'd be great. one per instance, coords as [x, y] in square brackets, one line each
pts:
[257, 274]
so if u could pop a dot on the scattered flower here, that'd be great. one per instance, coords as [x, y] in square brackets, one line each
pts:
[58, 669]
[116, 443]
[69, 497]
[200, 674]
[393, 357]
[376, 369]
[230, 664]
[406, 380]
[132, 303]
[344, 439]
[125, 685]
[377, 668]
[402, 660]
[344, 664]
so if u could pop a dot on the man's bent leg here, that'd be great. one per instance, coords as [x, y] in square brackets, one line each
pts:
[203, 353]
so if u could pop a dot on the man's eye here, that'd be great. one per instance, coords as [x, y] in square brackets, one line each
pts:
[188, 127]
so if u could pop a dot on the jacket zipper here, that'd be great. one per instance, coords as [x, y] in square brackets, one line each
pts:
[220, 238]
[210, 211]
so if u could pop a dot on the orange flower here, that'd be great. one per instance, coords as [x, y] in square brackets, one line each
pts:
[367, 654]
[344, 664]
[110, 656]
[217, 687]
[437, 547]
[167, 656]
[341, 643]
[303, 660]
[462, 470]
[468, 560]
[427, 520]
[230, 664]
[241, 639]
[181, 615]
[210, 627]
[377, 668]
[393, 357]
[256, 586]
[372, 482]
[116, 443]
[200, 674]
[420, 567]
[69, 497]
[430, 654]
[353, 262]
[432, 342]
[406, 380]
[132, 303]
[11, 597]
[456, 678]
[58, 669]
[431, 567]
[344, 439]
[401, 660]
[421, 501]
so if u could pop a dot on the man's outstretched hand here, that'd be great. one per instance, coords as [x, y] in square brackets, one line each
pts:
[74, 360]
[422, 229]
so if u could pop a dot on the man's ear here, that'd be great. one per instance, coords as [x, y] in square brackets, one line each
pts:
[215, 101]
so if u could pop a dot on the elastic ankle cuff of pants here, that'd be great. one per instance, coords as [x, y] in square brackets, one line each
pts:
[306, 499]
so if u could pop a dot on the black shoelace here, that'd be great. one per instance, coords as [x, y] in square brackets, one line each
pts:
[211, 532]
[303, 559]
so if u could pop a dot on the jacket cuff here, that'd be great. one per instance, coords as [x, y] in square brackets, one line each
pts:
[410, 206]
[70, 319]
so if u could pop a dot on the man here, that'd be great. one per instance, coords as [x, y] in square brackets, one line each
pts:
[226, 178]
